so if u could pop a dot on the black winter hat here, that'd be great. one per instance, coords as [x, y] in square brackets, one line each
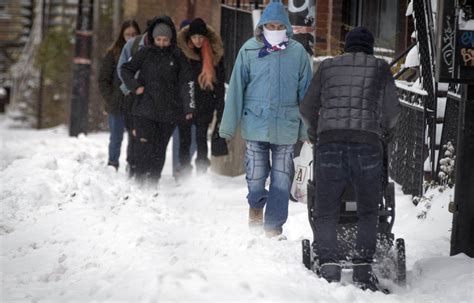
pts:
[359, 39]
[197, 27]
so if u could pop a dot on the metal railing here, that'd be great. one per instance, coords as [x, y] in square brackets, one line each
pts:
[449, 132]
[413, 150]
[407, 151]
[422, 16]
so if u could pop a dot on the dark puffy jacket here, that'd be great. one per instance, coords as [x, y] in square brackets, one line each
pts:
[167, 78]
[109, 85]
[206, 101]
[351, 98]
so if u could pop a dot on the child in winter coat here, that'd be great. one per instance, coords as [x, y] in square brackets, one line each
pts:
[164, 94]
[204, 51]
[109, 87]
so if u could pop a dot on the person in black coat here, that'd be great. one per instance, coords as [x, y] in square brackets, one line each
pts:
[164, 94]
[350, 105]
[109, 87]
[204, 51]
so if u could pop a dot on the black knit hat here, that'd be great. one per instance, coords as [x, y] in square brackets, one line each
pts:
[197, 27]
[360, 39]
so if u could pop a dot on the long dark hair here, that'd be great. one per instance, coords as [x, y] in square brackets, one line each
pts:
[116, 47]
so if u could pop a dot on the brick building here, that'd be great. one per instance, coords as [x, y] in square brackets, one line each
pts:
[385, 18]
[334, 18]
[178, 10]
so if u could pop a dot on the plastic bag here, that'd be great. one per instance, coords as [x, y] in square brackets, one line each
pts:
[303, 169]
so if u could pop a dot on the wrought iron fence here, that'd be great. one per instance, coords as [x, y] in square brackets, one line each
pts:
[424, 30]
[450, 121]
[414, 142]
[407, 150]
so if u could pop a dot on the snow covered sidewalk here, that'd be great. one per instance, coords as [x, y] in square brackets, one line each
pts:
[72, 229]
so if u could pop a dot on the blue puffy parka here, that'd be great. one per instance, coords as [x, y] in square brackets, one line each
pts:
[264, 93]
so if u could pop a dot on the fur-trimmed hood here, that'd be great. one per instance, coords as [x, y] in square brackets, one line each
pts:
[214, 39]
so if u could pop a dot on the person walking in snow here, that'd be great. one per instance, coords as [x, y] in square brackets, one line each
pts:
[109, 87]
[204, 51]
[176, 137]
[268, 82]
[128, 51]
[164, 93]
[350, 104]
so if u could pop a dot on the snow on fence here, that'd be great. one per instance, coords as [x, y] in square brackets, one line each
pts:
[407, 150]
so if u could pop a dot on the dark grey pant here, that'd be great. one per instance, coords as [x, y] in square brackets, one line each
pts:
[152, 139]
[337, 165]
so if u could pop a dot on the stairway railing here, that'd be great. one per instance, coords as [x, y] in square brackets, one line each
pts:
[413, 150]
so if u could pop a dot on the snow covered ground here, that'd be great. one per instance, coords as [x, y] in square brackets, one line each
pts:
[73, 230]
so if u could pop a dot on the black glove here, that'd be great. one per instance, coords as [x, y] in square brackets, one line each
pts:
[312, 136]
[388, 135]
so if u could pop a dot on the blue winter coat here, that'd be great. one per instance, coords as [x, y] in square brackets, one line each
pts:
[264, 94]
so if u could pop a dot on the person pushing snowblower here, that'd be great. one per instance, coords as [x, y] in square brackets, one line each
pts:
[350, 106]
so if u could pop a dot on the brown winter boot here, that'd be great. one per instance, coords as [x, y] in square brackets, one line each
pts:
[255, 217]
[275, 234]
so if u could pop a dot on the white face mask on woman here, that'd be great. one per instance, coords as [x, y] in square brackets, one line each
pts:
[274, 37]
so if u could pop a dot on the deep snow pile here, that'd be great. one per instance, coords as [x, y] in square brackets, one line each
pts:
[72, 229]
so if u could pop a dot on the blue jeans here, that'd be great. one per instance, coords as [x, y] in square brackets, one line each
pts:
[116, 128]
[176, 163]
[258, 168]
[338, 165]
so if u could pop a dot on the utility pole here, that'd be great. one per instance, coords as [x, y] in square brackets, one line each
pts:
[81, 69]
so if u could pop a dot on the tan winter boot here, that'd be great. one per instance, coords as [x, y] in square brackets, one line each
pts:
[275, 234]
[255, 217]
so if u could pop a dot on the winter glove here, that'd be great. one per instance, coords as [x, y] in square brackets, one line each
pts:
[312, 135]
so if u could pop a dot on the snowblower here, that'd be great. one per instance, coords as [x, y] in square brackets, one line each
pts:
[389, 260]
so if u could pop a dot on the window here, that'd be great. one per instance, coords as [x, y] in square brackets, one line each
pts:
[379, 16]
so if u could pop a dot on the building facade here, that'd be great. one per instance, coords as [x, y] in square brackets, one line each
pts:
[384, 18]
[178, 10]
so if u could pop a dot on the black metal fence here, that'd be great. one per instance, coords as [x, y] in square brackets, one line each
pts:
[413, 151]
[450, 120]
[425, 40]
[236, 28]
[407, 152]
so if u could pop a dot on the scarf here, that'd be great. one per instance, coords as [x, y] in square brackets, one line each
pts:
[268, 48]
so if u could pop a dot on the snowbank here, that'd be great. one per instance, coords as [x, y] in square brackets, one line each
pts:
[72, 229]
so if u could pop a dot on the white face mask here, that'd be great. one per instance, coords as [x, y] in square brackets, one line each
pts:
[274, 37]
